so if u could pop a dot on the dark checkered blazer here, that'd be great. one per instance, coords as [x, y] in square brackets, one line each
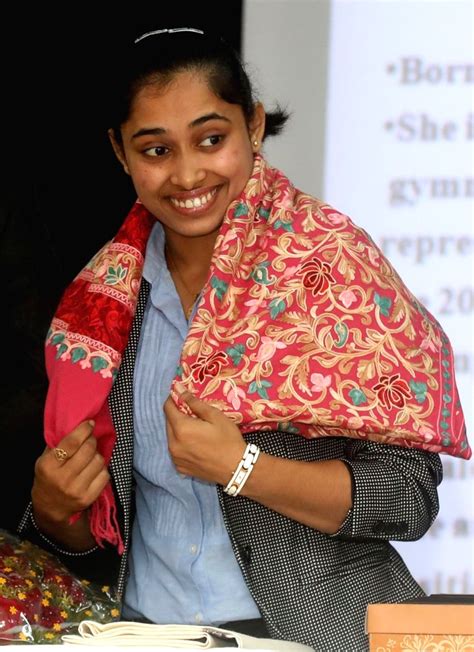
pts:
[310, 587]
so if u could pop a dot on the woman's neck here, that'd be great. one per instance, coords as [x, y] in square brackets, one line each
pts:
[188, 261]
[191, 253]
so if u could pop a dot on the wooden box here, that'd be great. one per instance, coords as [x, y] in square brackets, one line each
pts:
[415, 627]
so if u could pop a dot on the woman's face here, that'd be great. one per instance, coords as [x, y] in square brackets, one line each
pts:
[189, 153]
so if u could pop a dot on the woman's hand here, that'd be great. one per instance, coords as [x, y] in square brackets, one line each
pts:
[207, 445]
[62, 488]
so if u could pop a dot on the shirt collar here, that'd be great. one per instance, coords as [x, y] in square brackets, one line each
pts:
[155, 254]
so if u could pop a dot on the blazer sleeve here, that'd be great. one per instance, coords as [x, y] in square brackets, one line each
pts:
[99, 564]
[394, 491]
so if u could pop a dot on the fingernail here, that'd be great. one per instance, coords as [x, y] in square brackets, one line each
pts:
[180, 388]
[91, 423]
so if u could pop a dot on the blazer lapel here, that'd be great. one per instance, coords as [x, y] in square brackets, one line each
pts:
[121, 408]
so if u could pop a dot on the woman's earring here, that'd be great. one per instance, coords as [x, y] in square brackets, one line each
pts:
[255, 143]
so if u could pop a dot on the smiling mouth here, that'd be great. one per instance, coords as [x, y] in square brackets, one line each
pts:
[196, 202]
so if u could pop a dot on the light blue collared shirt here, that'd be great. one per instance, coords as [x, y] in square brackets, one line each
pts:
[182, 567]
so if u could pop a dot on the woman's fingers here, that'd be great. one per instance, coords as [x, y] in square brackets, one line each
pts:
[204, 411]
[72, 443]
[206, 445]
[66, 484]
[88, 485]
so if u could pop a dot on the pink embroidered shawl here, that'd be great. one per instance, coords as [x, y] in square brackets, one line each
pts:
[303, 326]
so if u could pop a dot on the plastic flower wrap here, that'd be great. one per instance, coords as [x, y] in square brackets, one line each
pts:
[40, 599]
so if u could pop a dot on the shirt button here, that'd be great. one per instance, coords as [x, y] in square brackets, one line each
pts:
[198, 617]
[193, 549]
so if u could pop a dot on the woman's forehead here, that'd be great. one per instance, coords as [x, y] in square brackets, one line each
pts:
[184, 98]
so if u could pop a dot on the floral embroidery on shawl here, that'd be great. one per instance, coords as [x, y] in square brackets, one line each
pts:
[303, 321]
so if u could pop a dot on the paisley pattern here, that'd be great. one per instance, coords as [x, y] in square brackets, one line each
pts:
[303, 326]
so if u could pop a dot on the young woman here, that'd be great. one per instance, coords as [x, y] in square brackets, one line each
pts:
[196, 511]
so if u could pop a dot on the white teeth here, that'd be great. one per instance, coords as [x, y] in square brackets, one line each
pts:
[196, 202]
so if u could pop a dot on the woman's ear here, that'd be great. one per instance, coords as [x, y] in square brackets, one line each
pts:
[118, 149]
[257, 127]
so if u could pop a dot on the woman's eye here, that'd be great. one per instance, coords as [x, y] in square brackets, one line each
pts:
[211, 140]
[156, 151]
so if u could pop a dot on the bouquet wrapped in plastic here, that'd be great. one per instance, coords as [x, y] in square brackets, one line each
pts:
[40, 599]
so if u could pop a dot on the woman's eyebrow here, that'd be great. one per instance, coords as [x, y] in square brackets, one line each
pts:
[206, 118]
[159, 131]
[153, 131]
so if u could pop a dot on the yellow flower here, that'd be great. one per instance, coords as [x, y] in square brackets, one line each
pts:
[33, 573]
[21, 596]
[114, 613]
[2, 580]
[105, 589]
[58, 578]
[48, 594]
[88, 612]
[63, 614]
[36, 618]
[45, 602]
[86, 582]
[29, 583]
[7, 569]
[13, 610]
[57, 627]
[49, 635]
[22, 636]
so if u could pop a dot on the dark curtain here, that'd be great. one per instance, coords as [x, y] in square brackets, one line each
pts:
[64, 195]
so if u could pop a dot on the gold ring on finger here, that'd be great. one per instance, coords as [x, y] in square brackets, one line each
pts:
[60, 454]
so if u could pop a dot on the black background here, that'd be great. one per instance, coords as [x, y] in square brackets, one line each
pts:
[63, 193]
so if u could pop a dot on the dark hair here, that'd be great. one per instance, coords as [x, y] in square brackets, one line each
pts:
[156, 58]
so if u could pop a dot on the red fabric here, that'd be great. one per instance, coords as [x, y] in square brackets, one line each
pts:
[84, 347]
[302, 325]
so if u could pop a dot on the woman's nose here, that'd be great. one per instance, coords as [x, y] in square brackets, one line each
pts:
[188, 172]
